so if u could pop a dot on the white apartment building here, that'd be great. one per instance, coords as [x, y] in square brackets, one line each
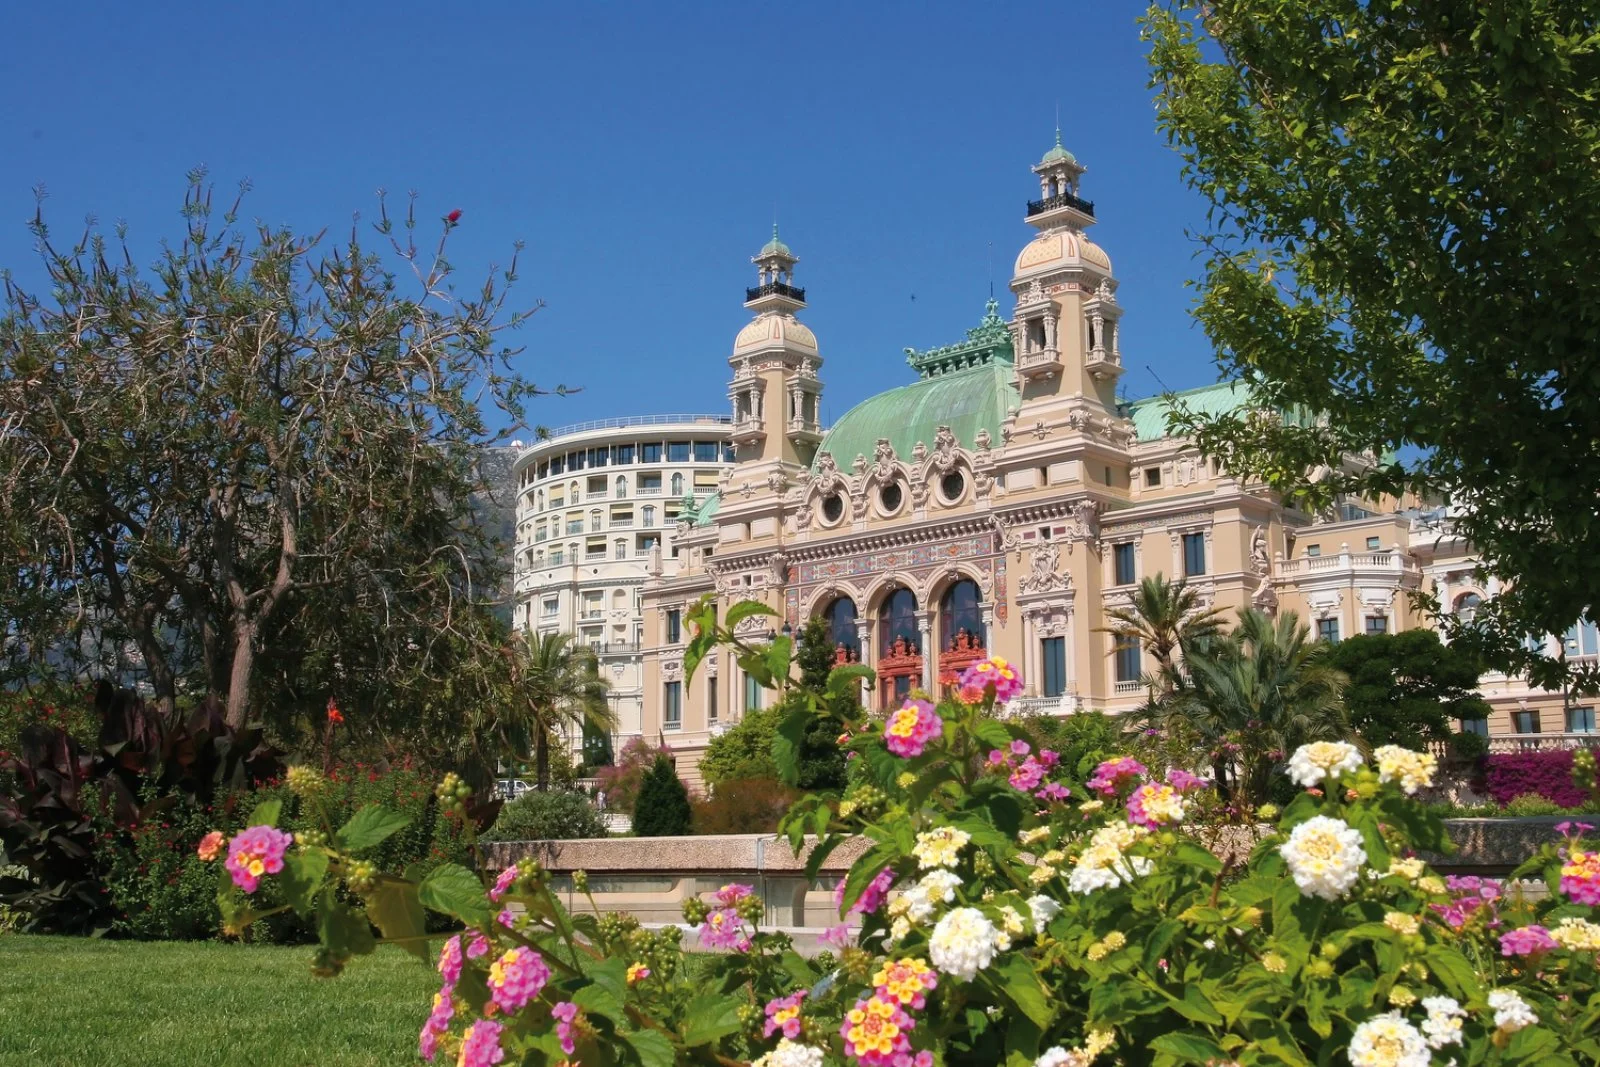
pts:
[595, 501]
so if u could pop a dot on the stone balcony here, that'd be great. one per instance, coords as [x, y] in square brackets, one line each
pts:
[1389, 564]
[1039, 363]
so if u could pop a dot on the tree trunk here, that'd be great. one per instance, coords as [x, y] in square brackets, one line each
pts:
[244, 661]
[541, 758]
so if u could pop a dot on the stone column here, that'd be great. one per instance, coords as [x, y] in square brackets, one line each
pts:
[1069, 643]
[869, 656]
[1030, 653]
[929, 653]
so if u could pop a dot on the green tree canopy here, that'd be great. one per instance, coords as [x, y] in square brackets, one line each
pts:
[253, 463]
[1408, 688]
[1404, 210]
[662, 809]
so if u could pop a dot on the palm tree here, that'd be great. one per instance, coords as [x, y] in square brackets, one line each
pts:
[555, 685]
[1165, 617]
[1266, 683]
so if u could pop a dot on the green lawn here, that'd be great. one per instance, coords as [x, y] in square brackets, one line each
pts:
[144, 1004]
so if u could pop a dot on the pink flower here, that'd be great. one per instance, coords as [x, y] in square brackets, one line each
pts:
[478, 946]
[450, 962]
[480, 1045]
[1527, 941]
[1049, 758]
[1109, 778]
[909, 730]
[506, 919]
[837, 936]
[871, 898]
[1028, 776]
[783, 1015]
[1154, 804]
[211, 845]
[254, 852]
[502, 884]
[566, 1017]
[995, 672]
[438, 1023]
[731, 894]
[1184, 782]
[1020, 747]
[1580, 877]
[723, 929]
[877, 1031]
[454, 216]
[996, 758]
[1053, 791]
[516, 978]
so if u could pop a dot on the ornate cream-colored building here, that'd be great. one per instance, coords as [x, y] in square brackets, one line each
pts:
[1003, 501]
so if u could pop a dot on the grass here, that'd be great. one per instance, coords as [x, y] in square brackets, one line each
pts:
[192, 1004]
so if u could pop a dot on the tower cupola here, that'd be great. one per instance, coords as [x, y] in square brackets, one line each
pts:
[1059, 203]
[775, 289]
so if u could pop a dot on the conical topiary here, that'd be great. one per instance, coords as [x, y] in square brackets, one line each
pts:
[662, 809]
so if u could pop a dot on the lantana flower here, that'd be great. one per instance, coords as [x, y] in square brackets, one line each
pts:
[1443, 1025]
[1577, 935]
[905, 981]
[1580, 877]
[210, 846]
[438, 1024]
[1388, 1041]
[1324, 856]
[996, 672]
[480, 1045]
[502, 884]
[516, 978]
[255, 852]
[783, 1015]
[565, 1013]
[1530, 940]
[962, 943]
[909, 729]
[940, 847]
[1511, 1012]
[1105, 863]
[876, 1032]
[1156, 804]
[1323, 761]
[791, 1054]
[1109, 778]
[1413, 770]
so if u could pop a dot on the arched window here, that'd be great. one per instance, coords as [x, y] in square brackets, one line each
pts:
[961, 612]
[622, 487]
[1467, 606]
[898, 619]
[677, 485]
[649, 515]
[840, 619]
[622, 550]
[573, 493]
[594, 520]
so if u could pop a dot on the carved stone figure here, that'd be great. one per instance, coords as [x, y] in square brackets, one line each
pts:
[1042, 576]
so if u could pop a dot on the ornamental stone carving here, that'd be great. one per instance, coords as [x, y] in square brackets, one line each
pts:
[778, 569]
[671, 670]
[1265, 597]
[1086, 513]
[752, 624]
[1042, 576]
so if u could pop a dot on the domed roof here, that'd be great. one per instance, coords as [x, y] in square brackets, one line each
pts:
[1061, 248]
[1058, 154]
[775, 246]
[775, 329]
[966, 401]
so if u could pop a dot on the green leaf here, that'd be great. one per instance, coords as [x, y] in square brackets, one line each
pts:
[1452, 968]
[343, 930]
[709, 1017]
[843, 680]
[1017, 981]
[395, 908]
[1188, 1048]
[744, 609]
[778, 653]
[610, 974]
[865, 870]
[301, 879]
[1190, 854]
[369, 826]
[786, 743]
[452, 889]
[599, 1000]
[652, 1048]
[993, 733]
[265, 813]
[1161, 937]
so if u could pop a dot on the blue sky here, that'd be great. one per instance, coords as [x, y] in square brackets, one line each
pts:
[639, 151]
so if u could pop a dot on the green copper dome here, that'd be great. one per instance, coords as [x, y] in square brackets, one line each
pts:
[706, 511]
[969, 400]
[775, 246]
[1058, 153]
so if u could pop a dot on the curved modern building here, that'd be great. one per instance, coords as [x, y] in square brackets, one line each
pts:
[594, 502]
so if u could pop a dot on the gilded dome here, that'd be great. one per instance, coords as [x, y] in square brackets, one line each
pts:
[768, 331]
[1059, 249]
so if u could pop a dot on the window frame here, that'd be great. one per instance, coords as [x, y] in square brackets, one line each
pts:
[1053, 666]
[672, 705]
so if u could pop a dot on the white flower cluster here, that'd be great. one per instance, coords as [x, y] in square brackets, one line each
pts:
[791, 1054]
[1105, 863]
[1388, 1041]
[1044, 909]
[1443, 1024]
[1413, 770]
[1321, 760]
[1324, 856]
[1577, 935]
[1511, 1012]
[918, 904]
[940, 847]
[963, 943]
[1097, 1042]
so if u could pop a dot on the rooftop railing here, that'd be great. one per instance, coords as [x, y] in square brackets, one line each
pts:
[1050, 203]
[627, 421]
[793, 292]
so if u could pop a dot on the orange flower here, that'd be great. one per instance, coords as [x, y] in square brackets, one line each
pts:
[334, 715]
[211, 846]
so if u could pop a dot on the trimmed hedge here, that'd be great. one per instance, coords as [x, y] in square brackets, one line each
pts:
[1547, 774]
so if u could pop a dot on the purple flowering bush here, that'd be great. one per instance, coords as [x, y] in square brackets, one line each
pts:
[1546, 774]
[999, 914]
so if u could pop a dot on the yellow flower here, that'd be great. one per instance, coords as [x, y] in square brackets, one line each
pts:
[1054, 856]
[1089, 807]
[1096, 952]
[1577, 935]
[1034, 836]
[637, 972]
[940, 847]
[1042, 874]
[1401, 923]
[1432, 885]
[1409, 869]
[1274, 963]
[1401, 997]
[1115, 940]
[905, 780]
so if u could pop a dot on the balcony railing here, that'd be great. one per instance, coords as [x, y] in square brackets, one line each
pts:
[793, 292]
[1050, 203]
[1127, 687]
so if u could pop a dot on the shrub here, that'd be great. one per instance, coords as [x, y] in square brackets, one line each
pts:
[620, 782]
[663, 806]
[1529, 804]
[748, 806]
[554, 816]
[1468, 747]
[1547, 774]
